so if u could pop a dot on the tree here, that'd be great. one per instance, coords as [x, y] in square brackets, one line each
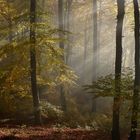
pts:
[67, 20]
[61, 45]
[118, 68]
[85, 49]
[134, 117]
[95, 48]
[37, 112]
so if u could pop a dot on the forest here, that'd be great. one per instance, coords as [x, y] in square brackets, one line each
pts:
[69, 70]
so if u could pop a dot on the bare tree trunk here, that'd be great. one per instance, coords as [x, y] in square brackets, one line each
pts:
[37, 112]
[134, 117]
[99, 34]
[95, 48]
[68, 11]
[95, 39]
[85, 50]
[118, 68]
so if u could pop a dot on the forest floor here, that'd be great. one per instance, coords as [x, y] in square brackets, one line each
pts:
[42, 133]
[17, 130]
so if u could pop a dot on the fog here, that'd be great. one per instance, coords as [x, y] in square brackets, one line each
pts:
[70, 64]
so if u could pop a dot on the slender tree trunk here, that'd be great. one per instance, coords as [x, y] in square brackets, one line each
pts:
[85, 51]
[118, 67]
[134, 117]
[95, 39]
[68, 11]
[37, 112]
[61, 45]
[99, 34]
[95, 48]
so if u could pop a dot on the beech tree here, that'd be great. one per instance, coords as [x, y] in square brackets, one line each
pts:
[67, 22]
[61, 45]
[118, 68]
[134, 118]
[95, 48]
[37, 112]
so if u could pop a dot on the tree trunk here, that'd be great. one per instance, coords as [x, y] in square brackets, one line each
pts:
[118, 67]
[37, 112]
[61, 45]
[85, 51]
[95, 39]
[99, 34]
[68, 13]
[95, 48]
[134, 117]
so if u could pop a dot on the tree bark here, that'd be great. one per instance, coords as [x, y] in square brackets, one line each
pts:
[118, 67]
[36, 104]
[134, 117]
